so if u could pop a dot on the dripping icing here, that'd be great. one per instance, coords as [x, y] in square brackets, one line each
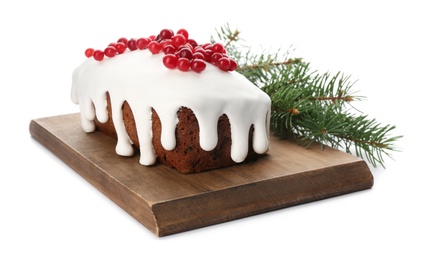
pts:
[138, 78]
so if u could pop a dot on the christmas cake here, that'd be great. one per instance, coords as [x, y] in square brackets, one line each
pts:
[176, 101]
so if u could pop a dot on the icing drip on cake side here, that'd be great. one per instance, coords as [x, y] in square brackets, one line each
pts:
[139, 78]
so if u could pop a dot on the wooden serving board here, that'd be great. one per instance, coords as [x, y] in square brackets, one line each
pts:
[168, 202]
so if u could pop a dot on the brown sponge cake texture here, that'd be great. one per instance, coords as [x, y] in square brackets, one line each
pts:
[187, 156]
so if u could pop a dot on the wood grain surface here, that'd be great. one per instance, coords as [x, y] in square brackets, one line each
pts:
[168, 202]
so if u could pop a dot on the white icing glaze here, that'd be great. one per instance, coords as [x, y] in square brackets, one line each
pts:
[142, 80]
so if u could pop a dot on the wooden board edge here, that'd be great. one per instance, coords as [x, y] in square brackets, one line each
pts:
[255, 198]
[112, 189]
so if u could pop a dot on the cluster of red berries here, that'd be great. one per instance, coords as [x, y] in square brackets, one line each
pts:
[180, 51]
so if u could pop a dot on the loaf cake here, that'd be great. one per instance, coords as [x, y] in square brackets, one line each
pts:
[189, 117]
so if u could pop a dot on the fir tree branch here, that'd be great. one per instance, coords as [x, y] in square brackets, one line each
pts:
[266, 66]
[310, 106]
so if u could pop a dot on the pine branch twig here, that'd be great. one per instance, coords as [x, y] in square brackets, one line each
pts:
[310, 106]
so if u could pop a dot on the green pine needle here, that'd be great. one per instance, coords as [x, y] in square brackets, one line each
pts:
[310, 106]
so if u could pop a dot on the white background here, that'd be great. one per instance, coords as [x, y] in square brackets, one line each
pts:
[49, 212]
